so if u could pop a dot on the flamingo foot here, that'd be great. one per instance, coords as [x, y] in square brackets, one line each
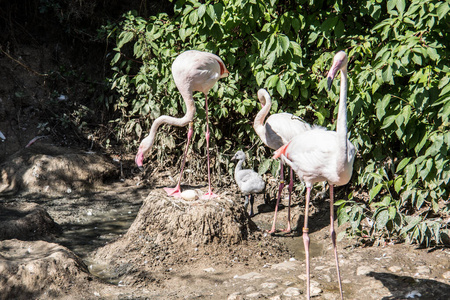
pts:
[209, 195]
[174, 192]
[287, 230]
[271, 231]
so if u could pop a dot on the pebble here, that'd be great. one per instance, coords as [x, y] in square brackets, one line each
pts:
[209, 270]
[292, 292]
[235, 296]
[395, 269]
[423, 270]
[287, 266]
[269, 285]
[253, 296]
[446, 275]
[249, 276]
[363, 270]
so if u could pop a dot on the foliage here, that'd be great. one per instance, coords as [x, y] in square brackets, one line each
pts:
[399, 92]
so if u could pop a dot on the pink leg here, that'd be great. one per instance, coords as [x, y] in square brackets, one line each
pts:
[209, 194]
[306, 241]
[280, 189]
[291, 185]
[176, 191]
[333, 237]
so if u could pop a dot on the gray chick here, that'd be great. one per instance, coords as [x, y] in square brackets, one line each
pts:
[249, 181]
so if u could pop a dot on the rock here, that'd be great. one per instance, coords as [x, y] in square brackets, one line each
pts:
[423, 270]
[235, 296]
[446, 275]
[292, 292]
[209, 270]
[395, 269]
[43, 168]
[30, 269]
[287, 266]
[26, 221]
[269, 285]
[363, 270]
[250, 276]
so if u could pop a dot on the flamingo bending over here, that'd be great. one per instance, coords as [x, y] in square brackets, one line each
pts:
[322, 155]
[278, 130]
[192, 71]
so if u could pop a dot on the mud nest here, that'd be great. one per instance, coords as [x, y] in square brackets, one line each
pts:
[50, 170]
[26, 221]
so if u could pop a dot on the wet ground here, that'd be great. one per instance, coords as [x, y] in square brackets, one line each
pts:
[262, 267]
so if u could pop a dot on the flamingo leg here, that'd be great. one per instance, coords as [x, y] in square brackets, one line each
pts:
[280, 189]
[209, 194]
[290, 187]
[333, 238]
[306, 241]
[252, 201]
[176, 191]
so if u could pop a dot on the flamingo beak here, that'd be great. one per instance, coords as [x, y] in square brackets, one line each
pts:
[139, 160]
[281, 151]
[337, 64]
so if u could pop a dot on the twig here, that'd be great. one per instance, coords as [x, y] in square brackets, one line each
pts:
[22, 64]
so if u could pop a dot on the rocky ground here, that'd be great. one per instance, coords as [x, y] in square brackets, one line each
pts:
[72, 229]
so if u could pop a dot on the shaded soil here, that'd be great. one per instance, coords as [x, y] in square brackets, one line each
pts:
[127, 239]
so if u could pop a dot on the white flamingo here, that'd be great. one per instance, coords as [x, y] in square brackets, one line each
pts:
[322, 155]
[192, 71]
[278, 130]
[249, 181]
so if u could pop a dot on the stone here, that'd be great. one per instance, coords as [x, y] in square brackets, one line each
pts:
[292, 292]
[395, 269]
[446, 275]
[250, 276]
[287, 266]
[269, 285]
[363, 270]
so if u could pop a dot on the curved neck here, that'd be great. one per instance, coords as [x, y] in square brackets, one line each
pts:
[238, 166]
[258, 124]
[188, 98]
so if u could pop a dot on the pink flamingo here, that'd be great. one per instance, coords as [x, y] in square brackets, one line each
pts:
[325, 156]
[192, 71]
[278, 130]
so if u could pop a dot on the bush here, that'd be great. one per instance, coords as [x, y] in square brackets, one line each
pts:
[399, 92]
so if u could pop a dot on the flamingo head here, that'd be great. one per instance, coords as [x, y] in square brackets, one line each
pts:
[139, 160]
[263, 95]
[223, 70]
[340, 61]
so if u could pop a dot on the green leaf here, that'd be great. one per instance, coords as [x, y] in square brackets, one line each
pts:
[400, 4]
[201, 10]
[388, 121]
[374, 191]
[284, 42]
[442, 9]
[381, 217]
[272, 81]
[381, 106]
[124, 38]
[398, 184]
[281, 87]
[403, 163]
[264, 166]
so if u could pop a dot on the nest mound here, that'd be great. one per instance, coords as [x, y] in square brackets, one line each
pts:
[171, 232]
[22, 263]
[50, 170]
[26, 221]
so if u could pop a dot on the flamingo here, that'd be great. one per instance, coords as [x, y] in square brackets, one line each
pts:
[278, 130]
[249, 181]
[326, 156]
[192, 71]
